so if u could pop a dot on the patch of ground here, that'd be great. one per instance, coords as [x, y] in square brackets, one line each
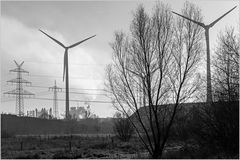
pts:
[70, 147]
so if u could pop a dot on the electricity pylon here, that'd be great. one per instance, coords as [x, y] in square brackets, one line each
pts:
[55, 89]
[206, 28]
[19, 92]
[65, 66]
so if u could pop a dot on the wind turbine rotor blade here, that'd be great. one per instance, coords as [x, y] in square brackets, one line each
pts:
[196, 22]
[81, 42]
[53, 39]
[16, 63]
[213, 23]
[64, 63]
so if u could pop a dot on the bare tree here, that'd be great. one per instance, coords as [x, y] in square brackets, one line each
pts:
[155, 65]
[226, 67]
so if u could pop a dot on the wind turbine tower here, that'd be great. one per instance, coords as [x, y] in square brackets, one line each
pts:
[206, 28]
[65, 66]
[19, 92]
[55, 89]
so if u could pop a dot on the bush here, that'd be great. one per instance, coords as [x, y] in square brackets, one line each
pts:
[123, 129]
[63, 155]
[34, 156]
[99, 146]
[216, 127]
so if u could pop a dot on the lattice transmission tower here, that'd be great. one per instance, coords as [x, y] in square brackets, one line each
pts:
[55, 89]
[19, 92]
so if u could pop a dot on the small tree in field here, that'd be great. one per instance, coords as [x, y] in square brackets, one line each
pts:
[155, 65]
[122, 127]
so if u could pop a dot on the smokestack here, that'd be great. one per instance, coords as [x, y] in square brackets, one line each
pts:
[36, 112]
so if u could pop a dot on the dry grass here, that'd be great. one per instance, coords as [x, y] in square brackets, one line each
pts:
[74, 147]
[88, 147]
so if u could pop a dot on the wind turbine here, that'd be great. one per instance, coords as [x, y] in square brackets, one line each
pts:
[65, 66]
[206, 28]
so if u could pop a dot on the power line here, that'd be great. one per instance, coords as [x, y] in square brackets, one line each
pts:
[92, 89]
[98, 94]
[59, 76]
[62, 77]
[7, 100]
[43, 93]
[56, 76]
[53, 63]
[70, 88]
[82, 93]
[73, 100]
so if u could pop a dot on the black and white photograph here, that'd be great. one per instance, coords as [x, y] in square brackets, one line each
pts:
[125, 79]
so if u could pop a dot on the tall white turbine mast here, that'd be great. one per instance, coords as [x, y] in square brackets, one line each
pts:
[206, 28]
[65, 66]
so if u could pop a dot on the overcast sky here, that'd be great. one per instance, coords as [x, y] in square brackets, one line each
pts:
[70, 22]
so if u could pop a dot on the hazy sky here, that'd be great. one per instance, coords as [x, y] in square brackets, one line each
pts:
[70, 22]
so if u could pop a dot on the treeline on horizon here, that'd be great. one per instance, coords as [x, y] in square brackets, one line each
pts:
[13, 125]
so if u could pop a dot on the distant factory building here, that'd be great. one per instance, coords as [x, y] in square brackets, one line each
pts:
[43, 113]
[31, 113]
[77, 112]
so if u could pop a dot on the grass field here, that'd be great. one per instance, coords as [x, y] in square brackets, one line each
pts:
[90, 146]
[57, 147]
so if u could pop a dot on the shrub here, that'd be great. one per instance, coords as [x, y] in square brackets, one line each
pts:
[34, 156]
[123, 129]
[216, 127]
[62, 155]
[99, 146]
